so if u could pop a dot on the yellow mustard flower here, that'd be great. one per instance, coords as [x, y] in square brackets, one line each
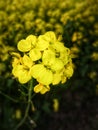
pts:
[26, 60]
[58, 65]
[32, 39]
[94, 56]
[65, 55]
[41, 88]
[27, 44]
[56, 78]
[68, 70]
[63, 79]
[22, 70]
[42, 43]
[45, 40]
[58, 46]
[16, 58]
[61, 51]
[50, 36]
[24, 46]
[48, 57]
[55, 104]
[35, 54]
[40, 73]
[18, 114]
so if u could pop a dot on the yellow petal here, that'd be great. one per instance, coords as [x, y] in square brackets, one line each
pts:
[56, 78]
[55, 104]
[24, 76]
[63, 79]
[45, 89]
[35, 54]
[15, 54]
[42, 43]
[68, 71]
[40, 73]
[58, 46]
[58, 65]
[16, 61]
[38, 88]
[17, 70]
[46, 77]
[36, 70]
[18, 114]
[48, 57]
[65, 56]
[32, 40]
[24, 46]
[50, 36]
[27, 61]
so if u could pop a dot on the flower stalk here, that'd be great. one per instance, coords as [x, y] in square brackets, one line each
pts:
[28, 106]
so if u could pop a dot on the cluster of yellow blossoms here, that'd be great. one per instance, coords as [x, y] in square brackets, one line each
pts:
[45, 59]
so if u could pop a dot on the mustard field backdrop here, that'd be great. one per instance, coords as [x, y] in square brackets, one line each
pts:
[71, 101]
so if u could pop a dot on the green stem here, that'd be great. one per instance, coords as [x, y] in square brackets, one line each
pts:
[28, 106]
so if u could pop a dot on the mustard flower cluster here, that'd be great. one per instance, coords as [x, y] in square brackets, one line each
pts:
[25, 16]
[45, 59]
[32, 15]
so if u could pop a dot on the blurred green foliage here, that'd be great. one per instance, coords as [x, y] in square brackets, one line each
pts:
[76, 23]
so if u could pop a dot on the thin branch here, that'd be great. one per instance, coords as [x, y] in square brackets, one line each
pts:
[28, 106]
[8, 97]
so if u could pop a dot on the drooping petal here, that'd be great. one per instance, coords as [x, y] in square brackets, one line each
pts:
[15, 54]
[38, 88]
[41, 88]
[45, 89]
